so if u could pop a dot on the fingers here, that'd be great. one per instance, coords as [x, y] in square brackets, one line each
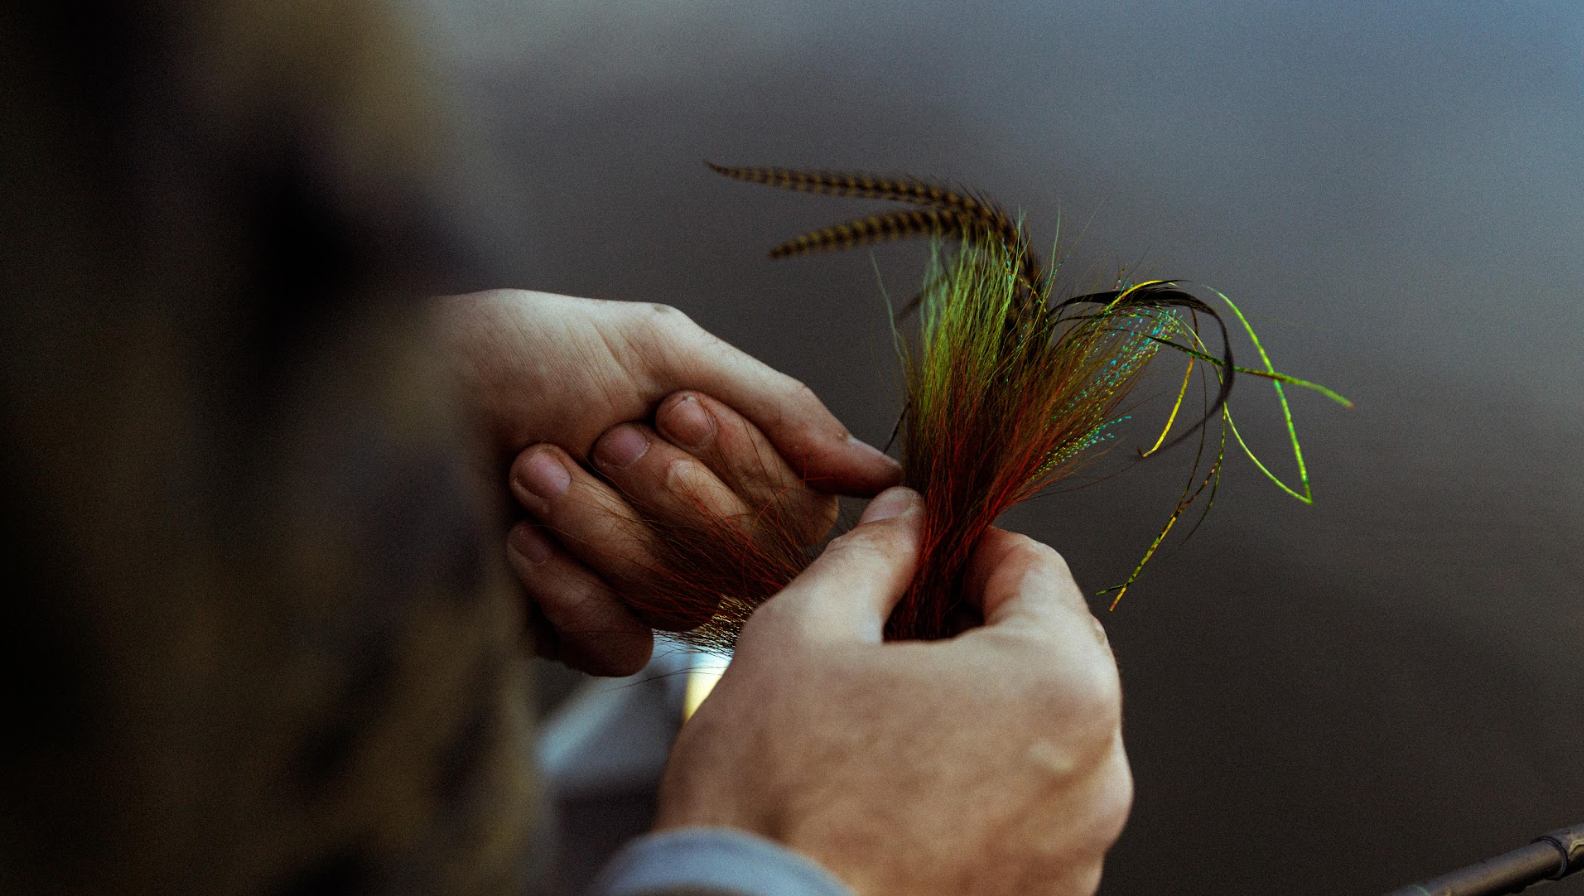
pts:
[592, 523]
[1030, 601]
[820, 450]
[1015, 579]
[740, 455]
[602, 532]
[610, 528]
[849, 591]
[538, 367]
[668, 484]
[574, 617]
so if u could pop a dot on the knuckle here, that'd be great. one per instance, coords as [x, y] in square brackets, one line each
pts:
[1098, 696]
[1081, 702]
[566, 595]
[1055, 563]
[1117, 804]
[659, 312]
[666, 319]
[795, 401]
[678, 475]
[875, 545]
[1109, 801]
[1049, 565]
[652, 328]
[799, 393]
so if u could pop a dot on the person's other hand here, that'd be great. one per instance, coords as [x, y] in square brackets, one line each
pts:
[989, 763]
[590, 555]
[561, 384]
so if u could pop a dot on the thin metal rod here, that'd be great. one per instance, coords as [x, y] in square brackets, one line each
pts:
[1550, 857]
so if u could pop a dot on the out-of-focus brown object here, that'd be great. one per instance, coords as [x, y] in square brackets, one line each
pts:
[257, 640]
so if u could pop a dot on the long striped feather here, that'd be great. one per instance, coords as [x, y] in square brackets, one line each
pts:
[1008, 391]
[974, 215]
[862, 185]
[875, 229]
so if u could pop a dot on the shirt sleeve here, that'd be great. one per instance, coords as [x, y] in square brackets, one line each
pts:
[713, 860]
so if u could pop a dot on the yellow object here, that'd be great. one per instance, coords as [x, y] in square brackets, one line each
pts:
[707, 669]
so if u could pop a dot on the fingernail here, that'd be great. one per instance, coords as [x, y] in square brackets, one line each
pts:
[621, 447]
[890, 503]
[689, 423]
[865, 448]
[545, 476]
[531, 543]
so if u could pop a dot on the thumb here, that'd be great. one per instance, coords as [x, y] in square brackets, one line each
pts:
[1015, 580]
[849, 591]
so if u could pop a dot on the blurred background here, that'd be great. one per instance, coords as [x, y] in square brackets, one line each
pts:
[1337, 698]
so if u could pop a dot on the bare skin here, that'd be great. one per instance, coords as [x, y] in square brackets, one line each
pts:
[554, 383]
[990, 763]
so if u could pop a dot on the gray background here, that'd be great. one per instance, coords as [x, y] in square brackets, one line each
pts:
[1328, 699]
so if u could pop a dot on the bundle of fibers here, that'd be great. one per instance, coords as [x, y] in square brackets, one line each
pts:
[1007, 392]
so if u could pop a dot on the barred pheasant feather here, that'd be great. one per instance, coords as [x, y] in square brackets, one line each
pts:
[1008, 391]
[948, 213]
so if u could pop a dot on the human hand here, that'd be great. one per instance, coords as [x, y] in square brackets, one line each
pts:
[989, 763]
[557, 383]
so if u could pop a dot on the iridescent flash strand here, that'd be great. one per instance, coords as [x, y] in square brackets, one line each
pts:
[1007, 392]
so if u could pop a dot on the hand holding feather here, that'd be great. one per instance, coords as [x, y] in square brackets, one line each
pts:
[591, 555]
[560, 388]
[987, 763]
